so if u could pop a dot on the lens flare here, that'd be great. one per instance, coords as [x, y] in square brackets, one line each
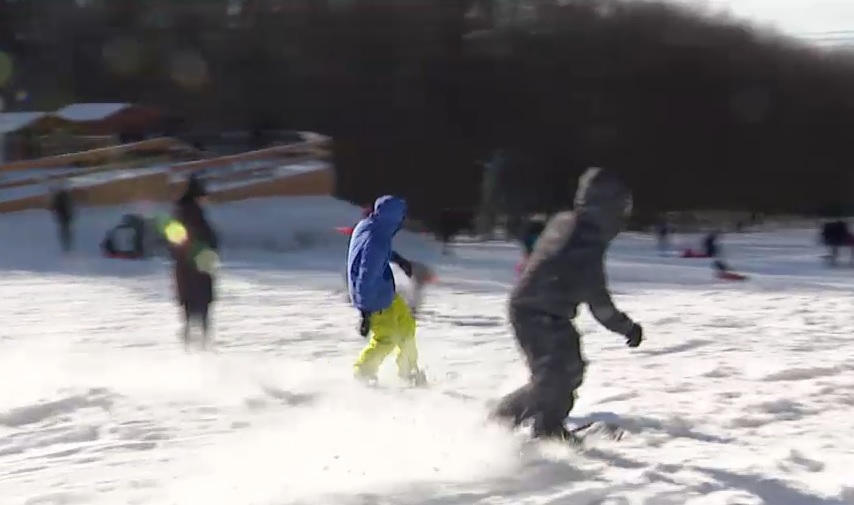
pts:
[175, 232]
[207, 261]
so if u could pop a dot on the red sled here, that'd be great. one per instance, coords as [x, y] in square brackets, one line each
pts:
[731, 276]
[691, 253]
[345, 230]
[122, 256]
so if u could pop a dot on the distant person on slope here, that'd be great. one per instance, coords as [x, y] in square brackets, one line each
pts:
[370, 282]
[194, 280]
[565, 269]
[62, 207]
[713, 250]
[835, 235]
[662, 233]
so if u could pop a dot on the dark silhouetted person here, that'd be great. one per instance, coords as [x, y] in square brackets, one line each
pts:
[62, 207]
[194, 250]
[662, 233]
[713, 250]
[450, 224]
[835, 235]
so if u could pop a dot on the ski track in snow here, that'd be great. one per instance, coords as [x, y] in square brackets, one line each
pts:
[741, 395]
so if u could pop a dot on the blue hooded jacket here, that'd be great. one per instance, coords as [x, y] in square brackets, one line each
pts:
[369, 276]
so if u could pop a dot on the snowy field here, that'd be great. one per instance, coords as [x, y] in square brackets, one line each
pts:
[742, 394]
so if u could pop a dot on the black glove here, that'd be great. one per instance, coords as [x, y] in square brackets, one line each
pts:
[403, 263]
[635, 336]
[365, 324]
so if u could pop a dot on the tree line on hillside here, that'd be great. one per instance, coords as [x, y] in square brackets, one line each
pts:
[695, 112]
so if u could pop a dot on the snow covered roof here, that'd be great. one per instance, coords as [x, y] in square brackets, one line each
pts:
[90, 111]
[14, 121]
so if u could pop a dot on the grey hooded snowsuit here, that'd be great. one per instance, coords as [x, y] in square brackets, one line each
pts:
[565, 269]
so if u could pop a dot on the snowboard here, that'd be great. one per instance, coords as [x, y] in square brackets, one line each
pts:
[583, 434]
[600, 429]
[582, 438]
[731, 276]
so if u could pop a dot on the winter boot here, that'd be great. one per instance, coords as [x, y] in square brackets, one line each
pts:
[366, 379]
[417, 379]
[561, 435]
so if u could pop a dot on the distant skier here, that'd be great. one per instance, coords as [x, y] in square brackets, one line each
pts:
[566, 269]
[662, 232]
[194, 278]
[720, 267]
[710, 244]
[371, 286]
[450, 223]
[713, 250]
[62, 207]
[834, 236]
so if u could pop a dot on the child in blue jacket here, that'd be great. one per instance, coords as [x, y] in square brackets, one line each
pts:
[370, 282]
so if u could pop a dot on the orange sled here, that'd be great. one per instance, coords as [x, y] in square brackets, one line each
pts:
[731, 276]
[692, 253]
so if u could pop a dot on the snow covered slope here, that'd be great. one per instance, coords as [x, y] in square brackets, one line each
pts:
[741, 395]
[259, 230]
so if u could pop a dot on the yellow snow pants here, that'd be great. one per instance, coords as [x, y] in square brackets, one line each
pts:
[393, 327]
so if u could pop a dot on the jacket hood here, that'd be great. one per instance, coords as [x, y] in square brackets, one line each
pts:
[195, 189]
[603, 200]
[389, 213]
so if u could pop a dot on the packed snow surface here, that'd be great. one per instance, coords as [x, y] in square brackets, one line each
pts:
[742, 393]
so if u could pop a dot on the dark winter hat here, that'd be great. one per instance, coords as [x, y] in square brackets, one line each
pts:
[195, 188]
[598, 187]
[602, 197]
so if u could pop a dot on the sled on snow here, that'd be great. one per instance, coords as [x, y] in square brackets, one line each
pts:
[693, 254]
[133, 238]
[731, 276]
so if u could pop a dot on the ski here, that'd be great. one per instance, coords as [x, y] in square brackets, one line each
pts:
[610, 431]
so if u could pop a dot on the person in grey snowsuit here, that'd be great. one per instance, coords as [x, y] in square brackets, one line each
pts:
[565, 269]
